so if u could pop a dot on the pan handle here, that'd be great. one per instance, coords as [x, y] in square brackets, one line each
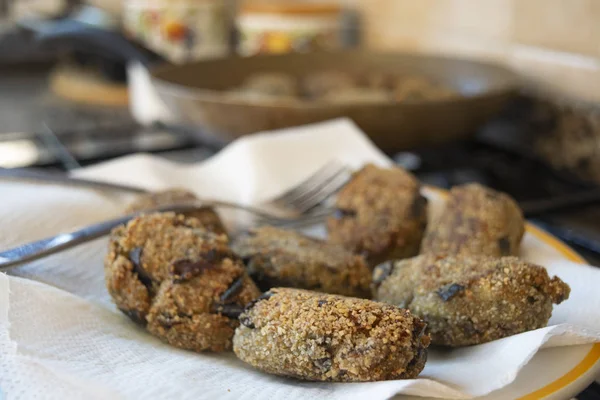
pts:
[75, 35]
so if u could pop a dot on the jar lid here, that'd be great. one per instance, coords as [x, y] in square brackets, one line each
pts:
[270, 7]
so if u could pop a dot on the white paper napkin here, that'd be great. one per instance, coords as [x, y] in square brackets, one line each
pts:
[61, 337]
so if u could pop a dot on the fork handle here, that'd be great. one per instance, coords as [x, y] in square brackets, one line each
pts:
[45, 247]
[48, 177]
[63, 241]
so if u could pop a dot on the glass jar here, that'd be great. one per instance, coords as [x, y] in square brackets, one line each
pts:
[280, 27]
[180, 30]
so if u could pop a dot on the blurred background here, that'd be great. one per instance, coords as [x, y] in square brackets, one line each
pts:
[78, 85]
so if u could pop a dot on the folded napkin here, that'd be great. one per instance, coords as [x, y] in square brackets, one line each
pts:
[62, 338]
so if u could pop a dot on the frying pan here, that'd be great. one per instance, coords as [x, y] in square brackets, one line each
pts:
[194, 94]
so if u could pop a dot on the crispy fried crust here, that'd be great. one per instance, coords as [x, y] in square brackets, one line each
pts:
[166, 272]
[476, 221]
[207, 216]
[471, 300]
[380, 214]
[321, 337]
[278, 257]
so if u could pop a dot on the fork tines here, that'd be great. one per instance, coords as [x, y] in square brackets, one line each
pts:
[315, 189]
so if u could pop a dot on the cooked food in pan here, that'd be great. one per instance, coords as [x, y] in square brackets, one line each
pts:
[266, 86]
[341, 87]
[326, 83]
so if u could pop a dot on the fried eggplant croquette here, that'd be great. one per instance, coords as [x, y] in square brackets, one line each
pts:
[279, 257]
[471, 300]
[476, 221]
[321, 337]
[207, 216]
[380, 214]
[182, 282]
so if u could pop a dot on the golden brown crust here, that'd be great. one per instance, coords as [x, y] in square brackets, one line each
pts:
[476, 221]
[168, 273]
[321, 337]
[208, 216]
[279, 257]
[471, 300]
[381, 214]
[128, 292]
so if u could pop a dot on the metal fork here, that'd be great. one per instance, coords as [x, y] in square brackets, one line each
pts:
[54, 244]
[313, 191]
[300, 202]
[297, 201]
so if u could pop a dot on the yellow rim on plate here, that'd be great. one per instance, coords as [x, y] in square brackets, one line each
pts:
[593, 355]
